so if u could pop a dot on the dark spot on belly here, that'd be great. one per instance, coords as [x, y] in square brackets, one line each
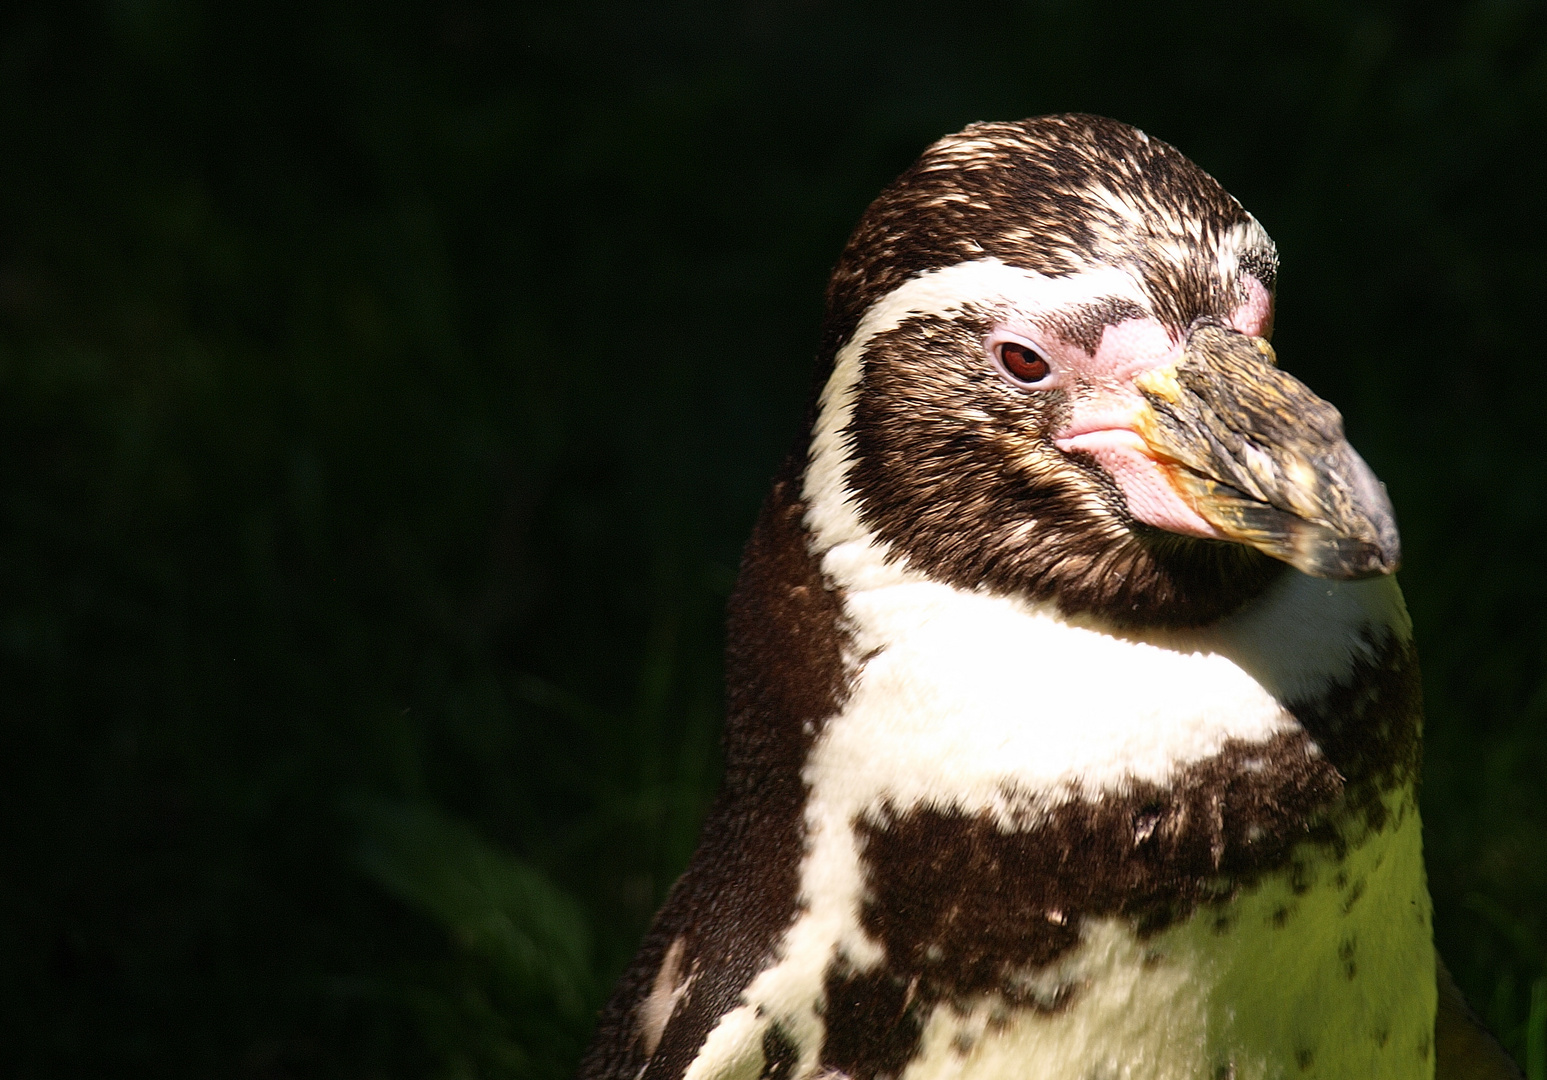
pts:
[1279, 918]
[1305, 1058]
[780, 1054]
[1354, 895]
[1225, 1071]
[1346, 954]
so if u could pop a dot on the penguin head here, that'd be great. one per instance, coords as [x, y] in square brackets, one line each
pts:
[1047, 374]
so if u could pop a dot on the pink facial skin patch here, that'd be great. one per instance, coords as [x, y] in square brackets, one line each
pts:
[1255, 317]
[1142, 480]
[1106, 408]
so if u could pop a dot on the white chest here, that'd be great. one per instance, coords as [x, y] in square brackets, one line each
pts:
[982, 707]
[960, 695]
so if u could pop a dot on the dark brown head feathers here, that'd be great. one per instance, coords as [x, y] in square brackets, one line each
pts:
[1053, 194]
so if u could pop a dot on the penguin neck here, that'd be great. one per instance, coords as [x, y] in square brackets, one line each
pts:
[810, 623]
[1097, 705]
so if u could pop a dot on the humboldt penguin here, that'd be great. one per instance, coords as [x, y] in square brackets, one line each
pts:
[1073, 716]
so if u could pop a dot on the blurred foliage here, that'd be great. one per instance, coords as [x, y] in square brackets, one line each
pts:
[528, 989]
[385, 394]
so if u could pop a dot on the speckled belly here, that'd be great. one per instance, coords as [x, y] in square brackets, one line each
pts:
[1324, 968]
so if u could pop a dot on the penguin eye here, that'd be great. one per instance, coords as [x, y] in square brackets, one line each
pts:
[1022, 363]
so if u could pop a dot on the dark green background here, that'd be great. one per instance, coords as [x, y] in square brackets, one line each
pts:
[385, 392]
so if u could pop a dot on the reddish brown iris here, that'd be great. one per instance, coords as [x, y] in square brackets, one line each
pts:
[1023, 363]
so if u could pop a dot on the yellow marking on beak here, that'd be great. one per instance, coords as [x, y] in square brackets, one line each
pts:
[1303, 475]
[1161, 382]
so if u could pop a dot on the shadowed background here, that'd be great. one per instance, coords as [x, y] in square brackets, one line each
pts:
[385, 395]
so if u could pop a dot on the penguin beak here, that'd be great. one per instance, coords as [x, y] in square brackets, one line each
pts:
[1263, 460]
